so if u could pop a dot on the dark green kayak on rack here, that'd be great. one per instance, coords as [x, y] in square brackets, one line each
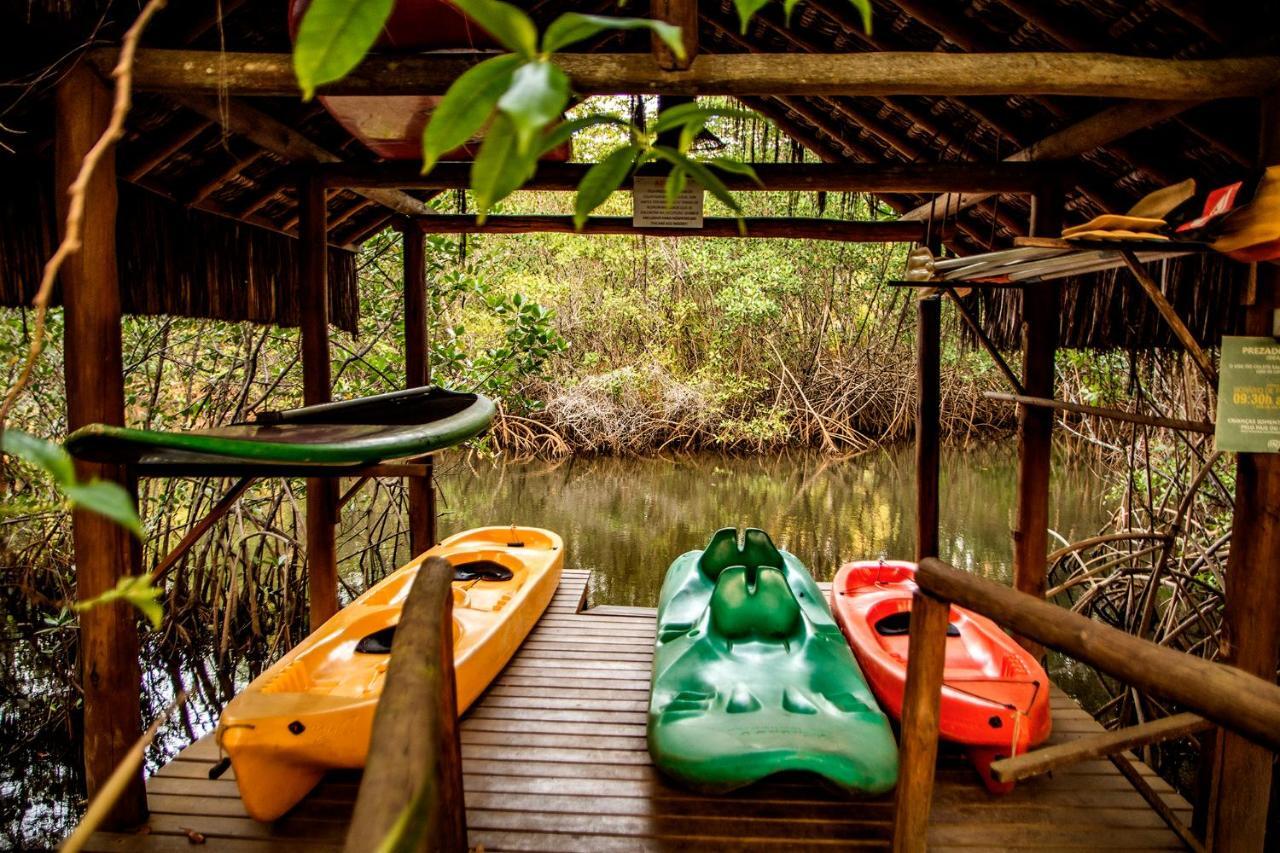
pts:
[752, 677]
[315, 440]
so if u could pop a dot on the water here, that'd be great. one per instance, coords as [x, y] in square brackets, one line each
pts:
[625, 520]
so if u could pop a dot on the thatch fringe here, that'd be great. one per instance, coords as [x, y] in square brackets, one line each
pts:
[172, 260]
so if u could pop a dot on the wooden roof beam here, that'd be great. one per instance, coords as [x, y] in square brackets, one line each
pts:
[833, 177]
[1099, 75]
[167, 149]
[283, 141]
[792, 228]
[1094, 132]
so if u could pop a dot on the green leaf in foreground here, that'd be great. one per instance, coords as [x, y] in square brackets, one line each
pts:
[106, 498]
[538, 94]
[499, 168]
[506, 23]
[747, 10]
[466, 106]
[45, 455]
[136, 590]
[333, 37]
[573, 27]
[600, 181]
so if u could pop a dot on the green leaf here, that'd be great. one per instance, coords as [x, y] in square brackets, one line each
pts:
[864, 9]
[735, 167]
[106, 498]
[573, 27]
[45, 455]
[136, 590]
[465, 107]
[564, 131]
[506, 23]
[747, 10]
[676, 182]
[538, 94]
[600, 181]
[499, 168]
[333, 37]
[674, 117]
[703, 176]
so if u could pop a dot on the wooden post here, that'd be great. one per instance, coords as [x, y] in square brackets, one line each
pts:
[684, 14]
[1251, 636]
[104, 551]
[1035, 424]
[928, 407]
[918, 746]
[417, 354]
[413, 777]
[322, 493]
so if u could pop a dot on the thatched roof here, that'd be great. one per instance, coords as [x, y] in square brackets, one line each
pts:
[185, 162]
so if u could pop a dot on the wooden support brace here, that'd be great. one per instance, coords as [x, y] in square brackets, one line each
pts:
[1179, 328]
[986, 342]
[221, 508]
[921, 701]
[1074, 751]
[1100, 412]
[1157, 803]
[412, 783]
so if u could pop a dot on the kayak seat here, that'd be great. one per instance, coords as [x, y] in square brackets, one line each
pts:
[481, 570]
[377, 643]
[754, 602]
[723, 552]
[899, 625]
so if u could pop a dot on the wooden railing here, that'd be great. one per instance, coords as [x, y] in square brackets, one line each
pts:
[1221, 694]
[411, 794]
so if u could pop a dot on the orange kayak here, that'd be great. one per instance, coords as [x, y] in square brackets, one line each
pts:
[995, 695]
[313, 710]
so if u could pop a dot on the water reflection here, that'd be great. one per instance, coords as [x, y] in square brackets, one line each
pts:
[626, 519]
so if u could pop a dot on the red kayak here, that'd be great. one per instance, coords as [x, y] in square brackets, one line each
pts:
[995, 695]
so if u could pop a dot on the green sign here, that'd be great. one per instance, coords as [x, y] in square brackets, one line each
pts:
[1249, 396]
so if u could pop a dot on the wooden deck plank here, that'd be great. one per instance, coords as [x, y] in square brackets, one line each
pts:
[555, 759]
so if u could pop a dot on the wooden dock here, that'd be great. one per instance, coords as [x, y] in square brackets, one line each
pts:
[555, 760]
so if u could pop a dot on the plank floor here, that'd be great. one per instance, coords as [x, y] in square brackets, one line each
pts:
[554, 759]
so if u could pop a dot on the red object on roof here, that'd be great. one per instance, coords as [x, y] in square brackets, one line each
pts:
[995, 695]
[391, 125]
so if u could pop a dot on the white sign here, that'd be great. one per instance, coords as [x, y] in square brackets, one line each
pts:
[649, 199]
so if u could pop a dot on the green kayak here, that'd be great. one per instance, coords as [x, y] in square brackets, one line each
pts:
[325, 439]
[752, 677]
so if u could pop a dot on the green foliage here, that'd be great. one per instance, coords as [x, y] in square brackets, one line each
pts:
[334, 36]
[100, 496]
[136, 590]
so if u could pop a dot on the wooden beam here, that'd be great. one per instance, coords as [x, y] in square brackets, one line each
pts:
[1035, 425]
[1251, 619]
[417, 362]
[1096, 131]
[1099, 412]
[1224, 694]
[921, 703]
[870, 231]
[93, 364]
[221, 508]
[1095, 75]
[283, 141]
[412, 784]
[1170, 316]
[322, 493]
[928, 426]
[834, 177]
[1157, 803]
[1069, 752]
[684, 14]
[215, 183]
[167, 149]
